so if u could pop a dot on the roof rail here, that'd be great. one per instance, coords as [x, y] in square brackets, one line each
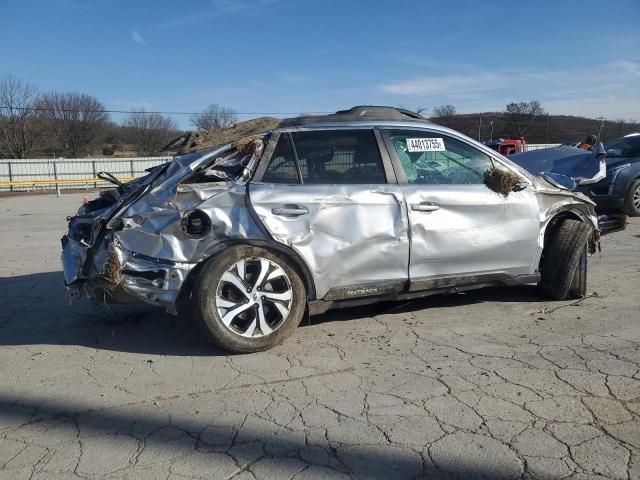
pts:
[358, 113]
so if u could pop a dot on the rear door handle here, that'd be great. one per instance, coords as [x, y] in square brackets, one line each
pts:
[424, 207]
[290, 211]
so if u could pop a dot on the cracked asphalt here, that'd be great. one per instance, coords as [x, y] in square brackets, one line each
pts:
[495, 383]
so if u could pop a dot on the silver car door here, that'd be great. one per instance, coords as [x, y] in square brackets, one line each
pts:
[325, 194]
[461, 232]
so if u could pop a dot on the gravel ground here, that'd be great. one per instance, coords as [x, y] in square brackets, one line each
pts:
[496, 383]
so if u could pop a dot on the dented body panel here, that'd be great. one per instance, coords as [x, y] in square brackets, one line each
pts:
[348, 241]
[347, 229]
[472, 231]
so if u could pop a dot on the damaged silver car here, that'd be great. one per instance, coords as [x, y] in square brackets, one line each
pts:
[368, 204]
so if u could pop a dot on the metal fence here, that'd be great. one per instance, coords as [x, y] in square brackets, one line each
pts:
[58, 174]
[48, 174]
[538, 146]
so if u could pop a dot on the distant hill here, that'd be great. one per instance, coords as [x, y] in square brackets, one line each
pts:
[542, 129]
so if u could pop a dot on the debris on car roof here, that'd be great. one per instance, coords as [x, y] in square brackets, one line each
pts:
[195, 141]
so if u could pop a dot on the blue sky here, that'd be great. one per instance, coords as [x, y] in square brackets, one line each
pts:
[579, 57]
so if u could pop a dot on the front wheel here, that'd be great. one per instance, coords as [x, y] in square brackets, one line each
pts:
[563, 268]
[248, 299]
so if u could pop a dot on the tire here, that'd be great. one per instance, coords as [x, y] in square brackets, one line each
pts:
[579, 282]
[562, 257]
[632, 201]
[248, 299]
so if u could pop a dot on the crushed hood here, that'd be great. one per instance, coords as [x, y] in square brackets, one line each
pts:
[583, 166]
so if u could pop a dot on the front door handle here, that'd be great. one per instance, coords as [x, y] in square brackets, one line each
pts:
[290, 211]
[424, 207]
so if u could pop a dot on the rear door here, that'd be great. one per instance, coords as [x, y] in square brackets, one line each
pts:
[461, 232]
[327, 195]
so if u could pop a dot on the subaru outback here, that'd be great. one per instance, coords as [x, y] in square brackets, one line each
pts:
[364, 205]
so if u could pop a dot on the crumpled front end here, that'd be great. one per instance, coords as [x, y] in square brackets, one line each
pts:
[584, 167]
[144, 245]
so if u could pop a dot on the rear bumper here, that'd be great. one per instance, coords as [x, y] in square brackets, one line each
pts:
[111, 274]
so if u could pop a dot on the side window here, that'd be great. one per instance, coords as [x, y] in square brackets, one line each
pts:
[624, 148]
[339, 156]
[282, 166]
[436, 159]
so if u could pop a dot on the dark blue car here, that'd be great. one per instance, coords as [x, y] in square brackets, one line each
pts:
[620, 189]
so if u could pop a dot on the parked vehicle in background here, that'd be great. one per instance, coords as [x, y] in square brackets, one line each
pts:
[620, 189]
[507, 146]
[365, 205]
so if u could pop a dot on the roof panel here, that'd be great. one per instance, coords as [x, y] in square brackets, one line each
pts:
[365, 113]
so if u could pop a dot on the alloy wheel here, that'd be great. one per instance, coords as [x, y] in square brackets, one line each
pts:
[253, 297]
[636, 198]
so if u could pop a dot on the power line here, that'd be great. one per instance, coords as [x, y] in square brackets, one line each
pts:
[73, 110]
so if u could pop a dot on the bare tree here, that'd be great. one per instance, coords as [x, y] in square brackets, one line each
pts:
[618, 127]
[522, 116]
[19, 127]
[214, 116]
[444, 111]
[445, 114]
[75, 120]
[149, 131]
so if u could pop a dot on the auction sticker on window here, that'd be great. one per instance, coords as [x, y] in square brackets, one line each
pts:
[425, 145]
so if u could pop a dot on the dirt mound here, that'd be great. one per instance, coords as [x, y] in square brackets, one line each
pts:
[194, 141]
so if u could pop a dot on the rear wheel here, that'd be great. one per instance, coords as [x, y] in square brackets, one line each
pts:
[632, 200]
[248, 299]
[564, 264]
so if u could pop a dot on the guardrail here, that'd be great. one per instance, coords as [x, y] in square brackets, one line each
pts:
[59, 174]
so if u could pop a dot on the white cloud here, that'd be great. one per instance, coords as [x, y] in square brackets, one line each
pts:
[219, 8]
[447, 85]
[137, 37]
[610, 90]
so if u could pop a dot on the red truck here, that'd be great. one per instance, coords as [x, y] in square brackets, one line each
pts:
[508, 146]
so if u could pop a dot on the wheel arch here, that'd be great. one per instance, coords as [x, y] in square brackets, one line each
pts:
[554, 222]
[556, 219]
[291, 255]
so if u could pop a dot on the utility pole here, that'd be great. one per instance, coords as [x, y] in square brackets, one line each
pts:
[546, 133]
[491, 123]
[601, 126]
[479, 125]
